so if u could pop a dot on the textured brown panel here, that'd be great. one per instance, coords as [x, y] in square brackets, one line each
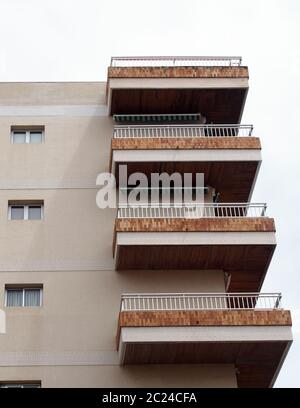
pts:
[187, 143]
[222, 105]
[205, 318]
[233, 180]
[247, 264]
[178, 72]
[195, 225]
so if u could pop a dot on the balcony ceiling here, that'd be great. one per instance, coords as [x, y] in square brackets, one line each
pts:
[217, 105]
[233, 180]
[256, 362]
[247, 264]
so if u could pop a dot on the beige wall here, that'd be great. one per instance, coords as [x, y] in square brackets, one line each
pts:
[75, 150]
[70, 340]
[74, 234]
[125, 376]
[52, 93]
[80, 308]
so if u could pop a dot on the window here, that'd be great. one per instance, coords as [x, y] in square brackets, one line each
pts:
[25, 211]
[20, 136]
[20, 385]
[35, 137]
[23, 296]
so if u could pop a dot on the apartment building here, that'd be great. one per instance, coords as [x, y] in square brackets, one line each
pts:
[145, 295]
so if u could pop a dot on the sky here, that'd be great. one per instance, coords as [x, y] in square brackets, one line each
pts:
[73, 40]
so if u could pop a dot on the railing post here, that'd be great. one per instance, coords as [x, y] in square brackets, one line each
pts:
[263, 213]
[278, 302]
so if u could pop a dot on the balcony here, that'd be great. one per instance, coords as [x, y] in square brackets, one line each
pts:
[229, 156]
[238, 239]
[215, 86]
[249, 330]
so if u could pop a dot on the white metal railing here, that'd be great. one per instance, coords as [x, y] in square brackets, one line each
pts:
[184, 210]
[167, 61]
[181, 131]
[200, 301]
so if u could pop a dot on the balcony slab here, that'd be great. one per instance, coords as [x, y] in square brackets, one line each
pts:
[219, 93]
[255, 341]
[241, 247]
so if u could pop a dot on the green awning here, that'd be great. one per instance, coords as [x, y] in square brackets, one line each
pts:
[158, 118]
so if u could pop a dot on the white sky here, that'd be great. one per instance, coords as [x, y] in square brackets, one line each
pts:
[73, 40]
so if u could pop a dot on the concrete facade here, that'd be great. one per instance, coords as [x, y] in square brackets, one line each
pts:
[70, 339]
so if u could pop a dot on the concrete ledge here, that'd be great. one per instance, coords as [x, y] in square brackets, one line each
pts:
[195, 155]
[194, 238]
[202, 334]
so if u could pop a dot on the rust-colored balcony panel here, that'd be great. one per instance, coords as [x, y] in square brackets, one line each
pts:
[186, 143]
[205, 318]
[228, 224]
[178, 72]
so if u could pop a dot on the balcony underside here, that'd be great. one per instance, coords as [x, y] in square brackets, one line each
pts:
[247, 264]
[217, 105]
[256, 363]
[256, 342]
[242, 246]
[219, 93]
[232, 179]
